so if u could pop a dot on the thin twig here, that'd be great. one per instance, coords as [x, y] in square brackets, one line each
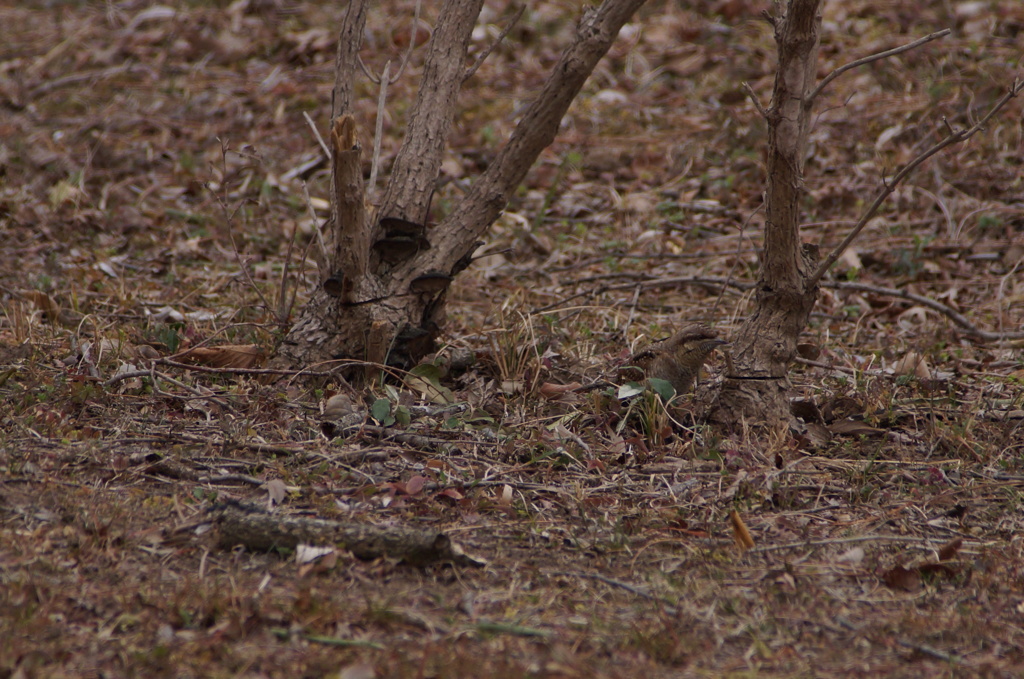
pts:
[385, 79]
[753, 98]
[841, 541]
[285, 305]
[723, 283]
[132, 374]
[490, 48]
[229, 217]
[379, 130]
[196, 394]
[324, 256]
[629, 587]
[366, 71]
[839, 368]
[412, 44]
[632, 311]
[874, 57]
[890, 186]
[316, 133]
[919, 648]
[738, 257]
[950, 313]
[94, 76]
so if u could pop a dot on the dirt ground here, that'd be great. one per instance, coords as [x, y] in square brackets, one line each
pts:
[154, 165]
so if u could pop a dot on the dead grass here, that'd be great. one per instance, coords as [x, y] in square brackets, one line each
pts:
[146, 160]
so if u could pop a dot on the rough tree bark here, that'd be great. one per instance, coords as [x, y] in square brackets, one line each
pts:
[386, 272]
[756, 385]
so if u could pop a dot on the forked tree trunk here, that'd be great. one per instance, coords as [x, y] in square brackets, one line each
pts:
[757, 385]
[386, 274]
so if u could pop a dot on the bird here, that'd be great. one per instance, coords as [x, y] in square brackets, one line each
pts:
[678, 360]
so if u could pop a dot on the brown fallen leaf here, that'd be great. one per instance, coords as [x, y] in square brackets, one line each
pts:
[226, 356]
[739, 532]
[44, 303]
[552, 391]
[899, 577]
[415, 485]
[949, 550]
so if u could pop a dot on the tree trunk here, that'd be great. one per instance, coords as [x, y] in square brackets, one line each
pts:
[386, 274]
[756, 386]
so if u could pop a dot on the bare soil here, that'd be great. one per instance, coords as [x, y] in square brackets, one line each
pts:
[152, 194]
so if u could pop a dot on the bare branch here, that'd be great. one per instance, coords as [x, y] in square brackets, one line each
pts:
[323, 254]
[366, 71]
[350, 40]
[487, 52]
[536, 129]
[753, 98]
[890, 186]
[416, 166]
[379, 130]
[385, 79]
[316, 133]
[412, 44]
[874, 57]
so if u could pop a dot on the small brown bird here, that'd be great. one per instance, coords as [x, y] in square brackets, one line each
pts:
[678, 359]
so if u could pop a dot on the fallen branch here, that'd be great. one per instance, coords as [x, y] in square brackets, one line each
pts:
[132, 374]
[256, 529]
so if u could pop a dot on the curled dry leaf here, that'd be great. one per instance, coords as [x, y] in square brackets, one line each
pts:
[809, 350]
[277, 491]
[313, 559]
[552, 391]
[739, 532]
[308, 553]
[914, 364]
[505, 499]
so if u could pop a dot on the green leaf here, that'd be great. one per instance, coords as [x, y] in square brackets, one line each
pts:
[380, 409]
[403, 416]
[663, 388]
[429, 371]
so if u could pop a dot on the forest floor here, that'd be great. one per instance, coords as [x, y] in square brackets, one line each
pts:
[152, 172]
